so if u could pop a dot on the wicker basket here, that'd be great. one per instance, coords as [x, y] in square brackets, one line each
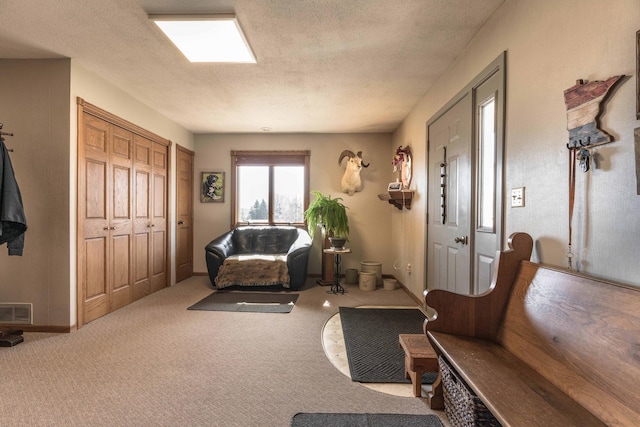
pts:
[461, 405]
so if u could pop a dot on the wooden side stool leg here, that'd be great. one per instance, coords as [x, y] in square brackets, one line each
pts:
[415, 377]
[419, 357]
[416, 382]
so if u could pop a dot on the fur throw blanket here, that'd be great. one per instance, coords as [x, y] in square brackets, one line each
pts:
[253, 270]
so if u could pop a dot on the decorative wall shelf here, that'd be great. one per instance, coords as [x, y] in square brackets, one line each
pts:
[399, 199]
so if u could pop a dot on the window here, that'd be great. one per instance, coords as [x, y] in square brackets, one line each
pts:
[269, 187]
[487, 165]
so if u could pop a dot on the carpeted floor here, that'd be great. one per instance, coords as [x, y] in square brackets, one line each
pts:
[155, 363]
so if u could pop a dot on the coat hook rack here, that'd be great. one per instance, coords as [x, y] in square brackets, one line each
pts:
[7, 134]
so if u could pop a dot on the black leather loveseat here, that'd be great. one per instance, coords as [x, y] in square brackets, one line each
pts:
[290, 244]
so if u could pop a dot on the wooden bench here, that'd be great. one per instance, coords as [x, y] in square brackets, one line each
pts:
[544, 346]
[419, 357]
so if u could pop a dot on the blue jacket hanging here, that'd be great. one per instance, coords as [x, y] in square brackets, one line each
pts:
[13, 222]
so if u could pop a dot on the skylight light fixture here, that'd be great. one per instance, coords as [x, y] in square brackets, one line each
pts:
[206, 37]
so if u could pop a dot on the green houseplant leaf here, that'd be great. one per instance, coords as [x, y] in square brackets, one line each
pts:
[329, 213]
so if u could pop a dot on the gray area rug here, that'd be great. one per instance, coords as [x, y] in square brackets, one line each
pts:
[258, 302]
[371, 341]
[363, 420]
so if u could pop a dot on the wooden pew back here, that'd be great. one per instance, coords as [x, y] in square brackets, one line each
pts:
[581, 334]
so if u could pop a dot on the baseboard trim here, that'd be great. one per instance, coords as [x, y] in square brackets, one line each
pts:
[40, 328]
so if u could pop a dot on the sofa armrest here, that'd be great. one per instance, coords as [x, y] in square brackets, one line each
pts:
[301, 243]
[297, 259]
[216, 252]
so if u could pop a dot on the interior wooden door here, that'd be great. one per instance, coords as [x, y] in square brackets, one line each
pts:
[121, 216]
[142, 227]
[93, 242]
[184, 213]
[104, 194]
[159, 213]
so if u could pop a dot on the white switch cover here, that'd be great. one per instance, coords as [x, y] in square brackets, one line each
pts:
[517, 197]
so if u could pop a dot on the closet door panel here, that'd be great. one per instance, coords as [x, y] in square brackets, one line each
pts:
[93, 201]
[122, 250]
[94, 286]
[121, 145]
[159, 274]
[159, 202]
[96, 197]
[141, 283]
[142, 234]
[121, 209]
[96, 137]
[142, 197]
[142, 226]
[160, 158]
[120, 288]
[121, 213]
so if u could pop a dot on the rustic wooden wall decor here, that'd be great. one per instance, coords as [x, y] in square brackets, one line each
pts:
[583, 107]
[583, 101]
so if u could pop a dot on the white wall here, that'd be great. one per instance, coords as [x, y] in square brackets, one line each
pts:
[550, 44]
[369, 217]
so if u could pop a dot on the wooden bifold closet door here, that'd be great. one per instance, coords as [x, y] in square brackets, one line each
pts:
[122, 213]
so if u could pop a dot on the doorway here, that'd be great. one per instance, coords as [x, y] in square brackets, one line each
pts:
[184, 213]
[465, 141]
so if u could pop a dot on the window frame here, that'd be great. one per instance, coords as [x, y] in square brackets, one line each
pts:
[270, 159]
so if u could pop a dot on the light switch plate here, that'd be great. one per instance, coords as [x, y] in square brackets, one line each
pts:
[517, 197]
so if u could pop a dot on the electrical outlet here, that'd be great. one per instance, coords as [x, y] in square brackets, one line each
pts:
[409, 269]
[517, 197]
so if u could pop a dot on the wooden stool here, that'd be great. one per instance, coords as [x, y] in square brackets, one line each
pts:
[419, 357]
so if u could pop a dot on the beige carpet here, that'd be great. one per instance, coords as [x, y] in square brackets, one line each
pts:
[155, 363]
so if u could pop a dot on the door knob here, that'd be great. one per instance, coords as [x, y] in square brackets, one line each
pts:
[180, 222]
[464, 240]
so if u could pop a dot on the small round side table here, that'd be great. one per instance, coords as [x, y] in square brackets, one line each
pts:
[337, 288]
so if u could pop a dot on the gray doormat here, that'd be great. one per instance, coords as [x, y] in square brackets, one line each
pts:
[372, 343]
[363, 420]
[257, 302]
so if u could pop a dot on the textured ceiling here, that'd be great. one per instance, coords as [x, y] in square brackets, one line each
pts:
[323, 65]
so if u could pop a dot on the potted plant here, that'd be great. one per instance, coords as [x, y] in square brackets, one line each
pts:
[330, 214]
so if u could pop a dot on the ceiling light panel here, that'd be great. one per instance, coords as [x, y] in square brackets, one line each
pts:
[206, 38]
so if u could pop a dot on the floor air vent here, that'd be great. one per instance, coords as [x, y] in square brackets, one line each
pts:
[16, 313]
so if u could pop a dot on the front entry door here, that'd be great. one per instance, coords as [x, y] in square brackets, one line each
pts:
[465, 209]
[450, 199]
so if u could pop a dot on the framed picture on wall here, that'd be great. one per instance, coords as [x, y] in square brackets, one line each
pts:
[212, 187]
